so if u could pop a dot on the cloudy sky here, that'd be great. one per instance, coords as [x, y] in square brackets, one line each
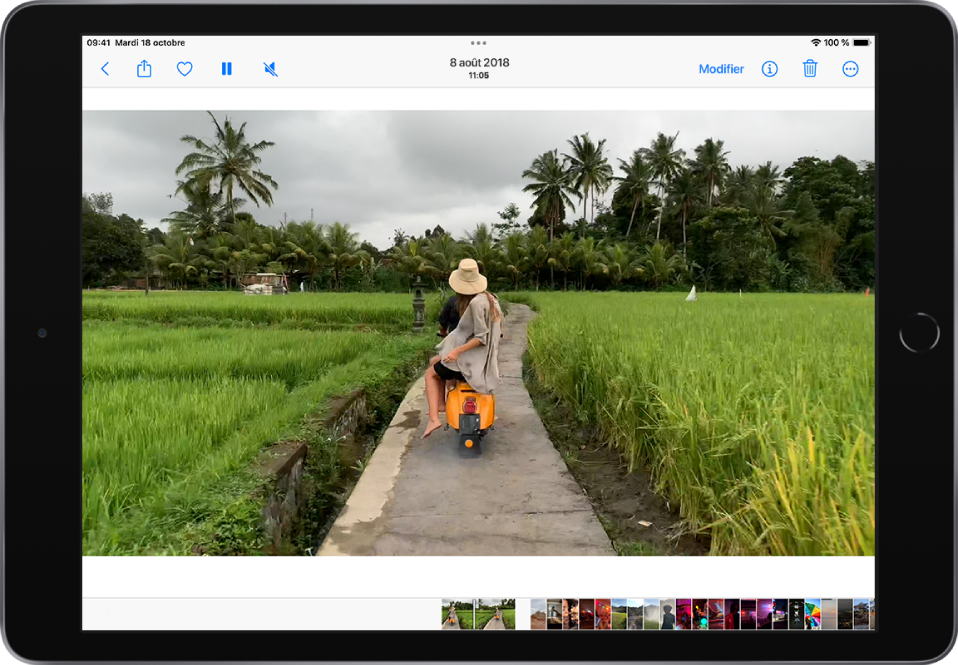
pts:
[379, 170]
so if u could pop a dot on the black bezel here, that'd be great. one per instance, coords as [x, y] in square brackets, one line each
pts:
[42, 455]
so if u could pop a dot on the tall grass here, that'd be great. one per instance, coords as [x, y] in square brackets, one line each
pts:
[169, 413]
[756, 415]
[124, 350]
[386, 309]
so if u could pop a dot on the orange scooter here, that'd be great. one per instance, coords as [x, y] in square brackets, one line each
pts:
[470, 413]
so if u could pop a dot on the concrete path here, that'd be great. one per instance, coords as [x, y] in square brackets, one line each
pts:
[518, 498]
[450, 624]
[495, 624]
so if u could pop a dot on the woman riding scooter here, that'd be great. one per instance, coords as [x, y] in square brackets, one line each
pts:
[469, 353]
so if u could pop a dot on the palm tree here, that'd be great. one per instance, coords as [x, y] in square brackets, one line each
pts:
[590, 258]
[563, 256]
[245, 260]
[245, 233]
[220, 252]
[270, 241]
[344, 251]
[443, 254]
[763, 201]
[410, 257]
[205, 213]
[537, 250]
[659, 264]
[711, 166]
[767, 175]
[665, 160]
[588, 168]
[739, 182]
[765, 206]
[552, 187]
[620, 262]
[229, 162]
[687, 192]
[635, 184]
[307, 249]
[514, 255]
[482, 247]
[178, 256]
[399, 237]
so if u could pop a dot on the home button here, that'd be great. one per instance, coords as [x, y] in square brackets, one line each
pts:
[920, 333]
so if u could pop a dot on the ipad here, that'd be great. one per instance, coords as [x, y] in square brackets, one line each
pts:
[553, 317]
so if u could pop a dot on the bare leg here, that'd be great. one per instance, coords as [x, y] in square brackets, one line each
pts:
[442, 402]
[434, 389]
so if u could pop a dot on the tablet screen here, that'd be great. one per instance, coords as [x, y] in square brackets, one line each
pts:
[533, 332]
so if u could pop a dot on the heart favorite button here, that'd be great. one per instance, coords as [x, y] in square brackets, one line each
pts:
[184, 67]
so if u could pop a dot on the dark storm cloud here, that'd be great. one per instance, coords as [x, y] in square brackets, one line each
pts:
[379, 171]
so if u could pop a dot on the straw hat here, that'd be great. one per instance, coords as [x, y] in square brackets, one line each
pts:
[467, 280]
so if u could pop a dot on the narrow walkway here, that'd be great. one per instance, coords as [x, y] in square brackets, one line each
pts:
[495, 623]
[452, 621]
[421, 498]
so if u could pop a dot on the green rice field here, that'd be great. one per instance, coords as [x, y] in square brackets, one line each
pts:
[173, 414]
[219, 308]
[465, 618]
[755, 414]
[484, 616]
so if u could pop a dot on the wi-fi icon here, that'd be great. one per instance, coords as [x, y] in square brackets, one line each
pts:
[816, 42]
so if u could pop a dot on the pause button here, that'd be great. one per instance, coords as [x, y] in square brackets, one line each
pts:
[227, 69]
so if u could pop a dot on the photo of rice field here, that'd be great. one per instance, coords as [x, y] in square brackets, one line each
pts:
[620, 613]
[181, 393]
[755, 415]
[458, 613]
[697, 317]
[495, 614]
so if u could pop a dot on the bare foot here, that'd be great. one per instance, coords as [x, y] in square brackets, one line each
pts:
[431, 427]
[442, 409]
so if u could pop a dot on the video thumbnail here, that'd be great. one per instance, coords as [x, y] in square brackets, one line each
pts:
[458, 613]
[538, 619]
[652, 613]
[496, 614]
[570, 614]
[749, 614]
[620, 613]
[587, 616]
[250, 276]
[636, 614]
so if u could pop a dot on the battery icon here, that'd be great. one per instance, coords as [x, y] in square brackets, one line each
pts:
[862, 42]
